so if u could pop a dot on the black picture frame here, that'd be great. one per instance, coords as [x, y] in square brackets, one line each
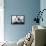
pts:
[17, 19]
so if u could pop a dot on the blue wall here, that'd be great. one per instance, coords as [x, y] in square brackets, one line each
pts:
[19, 7]
[43, 6]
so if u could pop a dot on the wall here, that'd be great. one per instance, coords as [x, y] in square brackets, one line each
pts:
[43, 6]
[19, 7]
[1, 20]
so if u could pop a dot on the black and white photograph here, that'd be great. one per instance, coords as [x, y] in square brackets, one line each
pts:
[17, 19]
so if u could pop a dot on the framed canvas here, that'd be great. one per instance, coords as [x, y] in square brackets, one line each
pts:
[17, 19]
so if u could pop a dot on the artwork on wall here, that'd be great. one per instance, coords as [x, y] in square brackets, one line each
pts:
[17, 19]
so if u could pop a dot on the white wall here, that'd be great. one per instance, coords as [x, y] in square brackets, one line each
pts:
[1, 20]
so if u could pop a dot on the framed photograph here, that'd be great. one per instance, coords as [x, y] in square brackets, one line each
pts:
[17, 19]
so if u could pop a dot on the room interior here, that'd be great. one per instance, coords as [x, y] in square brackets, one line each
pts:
[26, 31]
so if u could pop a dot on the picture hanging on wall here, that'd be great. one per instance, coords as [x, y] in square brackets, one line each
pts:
[17, 19]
